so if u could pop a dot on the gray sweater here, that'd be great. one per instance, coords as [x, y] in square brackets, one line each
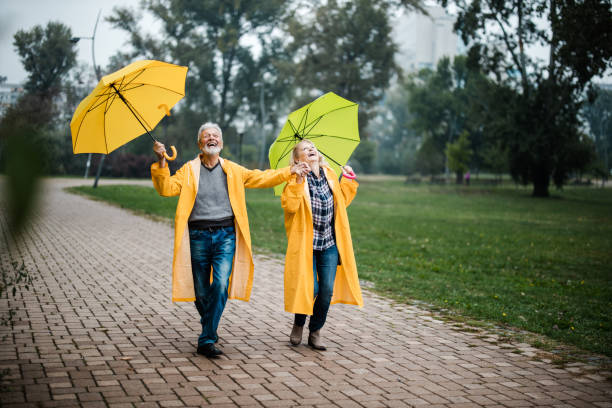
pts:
[212, 202]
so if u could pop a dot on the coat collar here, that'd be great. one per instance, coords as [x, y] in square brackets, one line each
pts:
[333, 185]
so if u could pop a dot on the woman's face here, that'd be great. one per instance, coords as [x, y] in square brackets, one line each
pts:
[307, 152]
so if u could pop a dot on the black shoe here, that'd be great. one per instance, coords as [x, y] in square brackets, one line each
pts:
[209, 350]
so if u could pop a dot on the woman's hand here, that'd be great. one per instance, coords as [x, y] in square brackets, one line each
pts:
[300, 170]
[347, 171]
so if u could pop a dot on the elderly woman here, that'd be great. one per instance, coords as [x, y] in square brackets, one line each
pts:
[320, 265]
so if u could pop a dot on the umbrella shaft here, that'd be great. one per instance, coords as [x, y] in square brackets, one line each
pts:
[133, 113]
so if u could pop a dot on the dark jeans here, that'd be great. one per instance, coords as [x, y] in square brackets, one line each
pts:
[211, 248]
[324, 264]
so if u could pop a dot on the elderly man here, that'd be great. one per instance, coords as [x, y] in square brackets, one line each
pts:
[211, 228]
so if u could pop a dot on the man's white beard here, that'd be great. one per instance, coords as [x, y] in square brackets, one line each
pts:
[211, 150]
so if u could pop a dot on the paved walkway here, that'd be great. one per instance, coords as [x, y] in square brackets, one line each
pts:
[98, 329]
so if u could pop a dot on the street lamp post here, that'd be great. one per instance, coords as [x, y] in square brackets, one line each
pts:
[96, 70]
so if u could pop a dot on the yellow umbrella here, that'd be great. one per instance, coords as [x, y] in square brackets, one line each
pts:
[125, 105]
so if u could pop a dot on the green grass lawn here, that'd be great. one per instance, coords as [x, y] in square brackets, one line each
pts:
[498, 255]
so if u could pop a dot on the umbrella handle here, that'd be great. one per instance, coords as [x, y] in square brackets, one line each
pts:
[170, 158]
[350, 176]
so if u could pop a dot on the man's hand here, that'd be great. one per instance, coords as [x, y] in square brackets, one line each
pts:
[300, 170]
[159, 150]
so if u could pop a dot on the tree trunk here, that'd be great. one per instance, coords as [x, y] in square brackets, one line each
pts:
[459, 177]
[541, 180]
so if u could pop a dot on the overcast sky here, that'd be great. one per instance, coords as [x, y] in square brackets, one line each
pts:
[79, 15]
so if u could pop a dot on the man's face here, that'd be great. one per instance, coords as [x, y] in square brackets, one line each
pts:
[210, 141]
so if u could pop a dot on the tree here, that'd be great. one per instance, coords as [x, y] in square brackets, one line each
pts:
[47, 54]
[541, 115]
[396, 141]
[217, 41]
[458, 156]
[346, 48]
[495, 159]
[429, 159]
[599, 117]
[446, 102]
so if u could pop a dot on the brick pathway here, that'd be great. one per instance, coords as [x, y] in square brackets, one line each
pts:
[97, 329]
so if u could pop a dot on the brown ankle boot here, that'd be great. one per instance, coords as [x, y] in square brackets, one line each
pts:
[314, 340]
[296, 335]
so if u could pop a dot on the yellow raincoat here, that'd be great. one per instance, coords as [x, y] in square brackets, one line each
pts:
[299, 282]
[184, 183]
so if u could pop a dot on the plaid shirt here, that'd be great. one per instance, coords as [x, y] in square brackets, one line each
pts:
[322, 203]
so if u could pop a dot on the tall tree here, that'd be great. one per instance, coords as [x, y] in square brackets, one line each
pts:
[390, 128]
[230, 47]
[346, 48]
[446, 102]
[599, 117]
[47, 54]
[458, 156]
[542, 114]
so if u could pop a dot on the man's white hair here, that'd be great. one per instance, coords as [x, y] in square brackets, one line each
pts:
[209, 125]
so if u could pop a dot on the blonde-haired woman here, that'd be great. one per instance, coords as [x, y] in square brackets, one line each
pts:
[320, 265]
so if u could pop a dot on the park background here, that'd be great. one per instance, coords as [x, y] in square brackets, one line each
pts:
[525, 246]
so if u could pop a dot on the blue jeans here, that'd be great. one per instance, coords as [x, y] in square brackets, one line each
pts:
[211, 248]
[324, 264]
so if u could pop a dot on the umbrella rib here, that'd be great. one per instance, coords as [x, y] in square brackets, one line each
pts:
[305, 119]
[160, 87]
[78, 133]
[109, 96]
[108, 105]
[295, 131]
[108, 92]
[132, 79]
[285, 139]
[333, 110]
[131, 107]
[283, 154]
[106, 108]
[313, 125]
[125, 88]
[332, 136]
[325, 154]
[138, 114]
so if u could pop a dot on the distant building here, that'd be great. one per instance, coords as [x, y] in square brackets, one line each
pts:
[423, 40]
[9, 93]
[604, 86]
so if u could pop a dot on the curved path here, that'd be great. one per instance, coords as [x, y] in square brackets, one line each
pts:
[97, 329]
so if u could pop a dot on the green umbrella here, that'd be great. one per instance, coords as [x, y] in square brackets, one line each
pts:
[330, 122]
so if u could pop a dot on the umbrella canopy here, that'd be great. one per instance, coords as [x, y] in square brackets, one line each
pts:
[125, 105]
[330, 122]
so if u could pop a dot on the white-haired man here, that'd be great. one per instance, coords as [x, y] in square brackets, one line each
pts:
[212, 228]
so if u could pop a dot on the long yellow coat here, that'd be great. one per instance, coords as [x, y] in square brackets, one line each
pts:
[299, 282]
[184, 183]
